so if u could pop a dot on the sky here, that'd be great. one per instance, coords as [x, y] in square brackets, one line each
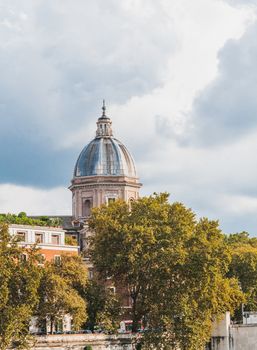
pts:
[179, 79]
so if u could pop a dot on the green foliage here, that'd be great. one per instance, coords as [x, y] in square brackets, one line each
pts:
[103, 307]
[22, 219]
[28, 290]
[72, 270]
[244, 266]
[88, 347]
[59, 292]
[70, 241]
[19, 282]
[239, 239]
[174, 266]
[22, 214]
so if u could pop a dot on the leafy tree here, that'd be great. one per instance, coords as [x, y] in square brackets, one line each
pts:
[22, 214]
[19, 281]
[244, 266]
[103, 307]
[240, 239]
[59, 292]
[73, 270]
[173, 265]
[196, 292]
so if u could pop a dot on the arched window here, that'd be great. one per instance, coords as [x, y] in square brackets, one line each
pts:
[86, 209]
[131, 200]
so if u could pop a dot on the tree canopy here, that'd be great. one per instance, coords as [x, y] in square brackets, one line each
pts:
[173, 265]
[60, 292]
[103, 307]
[23, 219]
[19, 282]
[244, 266]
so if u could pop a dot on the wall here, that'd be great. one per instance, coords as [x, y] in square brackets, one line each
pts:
[220, 334]
[79, 341]
[243, 337]
[226, 336]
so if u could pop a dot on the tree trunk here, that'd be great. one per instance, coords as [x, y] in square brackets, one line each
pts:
[52, 326]
[135, 319]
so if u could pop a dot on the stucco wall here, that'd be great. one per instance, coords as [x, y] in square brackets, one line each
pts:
[244, 337]
[226, 336]
[79, 341]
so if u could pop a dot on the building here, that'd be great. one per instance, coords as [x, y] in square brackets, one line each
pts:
[51, 241]
[105, 171]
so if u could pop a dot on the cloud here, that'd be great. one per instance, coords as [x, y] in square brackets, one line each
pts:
[57, 62]
[15, 199]
[242, 2]
[226, 108]
[219, 183]
[150, 60]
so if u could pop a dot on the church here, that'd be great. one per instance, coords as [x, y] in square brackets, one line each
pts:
[105, 171]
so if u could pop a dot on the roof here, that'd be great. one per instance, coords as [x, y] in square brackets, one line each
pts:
[105, 156]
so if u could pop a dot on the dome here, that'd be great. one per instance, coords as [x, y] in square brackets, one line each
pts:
[105, 155]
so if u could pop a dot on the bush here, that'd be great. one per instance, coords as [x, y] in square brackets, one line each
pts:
[88, 347]
[23, 219]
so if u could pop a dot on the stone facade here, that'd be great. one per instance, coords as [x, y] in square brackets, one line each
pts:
[93, 191]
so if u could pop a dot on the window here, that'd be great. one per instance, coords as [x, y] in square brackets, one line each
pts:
[57, 260]
[21, 235]
[90, 274]
[58, 326]
[23, 257]
[112, 290]
[55, 239]
[111, 200]
[41, 259]
[39, 237]
[86, 209]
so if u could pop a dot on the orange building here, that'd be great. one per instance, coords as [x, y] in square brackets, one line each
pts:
[51, 241]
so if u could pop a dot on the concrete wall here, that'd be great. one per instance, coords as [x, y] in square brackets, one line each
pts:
[228, 336]
[79, 341]
[243, 337]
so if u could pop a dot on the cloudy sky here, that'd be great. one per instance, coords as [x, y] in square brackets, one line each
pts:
[179, 78]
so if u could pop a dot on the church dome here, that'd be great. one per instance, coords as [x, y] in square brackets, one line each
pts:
[105, 155]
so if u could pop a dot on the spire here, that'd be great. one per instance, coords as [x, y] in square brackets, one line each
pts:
[104, 124]
[104, 109]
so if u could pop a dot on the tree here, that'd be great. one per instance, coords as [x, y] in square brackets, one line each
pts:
[73, 270]
[19, 281]
[244, 266]
[196, 292]
[59, 292]
[103, 307]
[23, 219]
[173, 265]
